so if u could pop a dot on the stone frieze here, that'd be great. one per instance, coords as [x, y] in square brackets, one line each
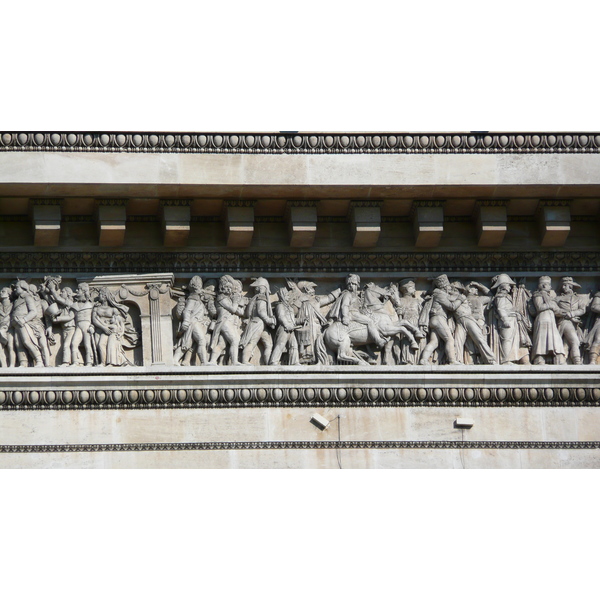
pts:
[147, 320]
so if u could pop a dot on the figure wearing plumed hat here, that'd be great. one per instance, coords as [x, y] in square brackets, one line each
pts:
[308, 303]
[509, 338]
[260, 321]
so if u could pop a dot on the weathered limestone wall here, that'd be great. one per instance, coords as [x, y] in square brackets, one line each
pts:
[279, 427]
[146, 175]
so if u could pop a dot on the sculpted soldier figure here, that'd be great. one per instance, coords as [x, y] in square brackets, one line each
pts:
[348, 308]
[82, 307]
[195, 321]
[230, 307]
[408, 307]
[288, 325]
[571, 307]
[508, 330]
[592, 337]
[260, 318]
[547, 341]
[469, 333]
[8, 357]
[434, 319]
[310, 317]
[478, 302]
[28, 327]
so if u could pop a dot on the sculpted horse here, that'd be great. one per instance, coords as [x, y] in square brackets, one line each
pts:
[336, 344]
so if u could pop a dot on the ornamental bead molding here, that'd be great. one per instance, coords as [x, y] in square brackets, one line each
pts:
[213, 397]
[298, 445]
[302, 143]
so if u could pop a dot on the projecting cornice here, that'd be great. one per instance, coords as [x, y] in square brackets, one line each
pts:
[302, 143]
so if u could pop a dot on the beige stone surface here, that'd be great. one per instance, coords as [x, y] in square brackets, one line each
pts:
[293, 424]
[422, 175]
[309, 459]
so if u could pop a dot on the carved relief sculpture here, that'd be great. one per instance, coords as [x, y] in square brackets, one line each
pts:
[408, 308]
[82, 307]
[64, 317]
[310, 316]
[28, 327]
[114, 333]
[434, 319]
[506, 324]
[230, 306]
[260, 320]
[547, 342]
[571, 307]
[195, 322]
[285, 336]
[592, 336]
[469, 336]
[508, 335]
[8, 357]
[349, 325]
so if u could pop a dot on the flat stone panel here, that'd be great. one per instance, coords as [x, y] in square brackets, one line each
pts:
[433, 171]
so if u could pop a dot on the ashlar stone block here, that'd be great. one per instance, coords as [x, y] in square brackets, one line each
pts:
[45, 218]
[491, 225]
[554, 224]
[302, 225]
[366, 225]
[111, 224]
[175, 224]
[428, 225]
[239, 225]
